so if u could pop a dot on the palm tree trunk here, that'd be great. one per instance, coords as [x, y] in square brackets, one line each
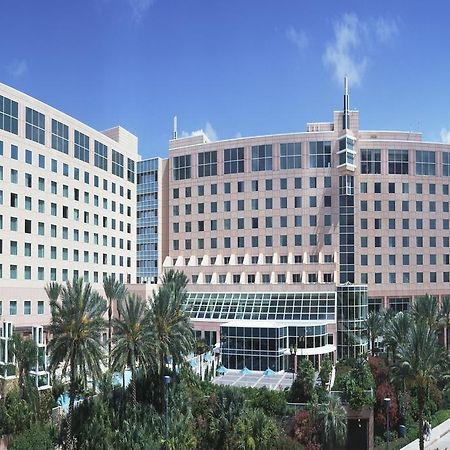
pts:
[109, 333]
[421, 405]
[69, 441]
[133, 388]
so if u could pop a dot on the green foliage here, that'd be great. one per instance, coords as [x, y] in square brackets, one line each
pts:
[303, 387]
[325, 370]
[40, 436]
[272, 402]
[332, 423]
[16, 414]
[356, 385]
[254, 430]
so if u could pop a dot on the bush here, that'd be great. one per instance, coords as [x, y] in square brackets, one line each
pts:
[302, 389]
[272, 402]
[38, 437]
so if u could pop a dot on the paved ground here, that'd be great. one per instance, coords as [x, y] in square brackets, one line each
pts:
[439, 440]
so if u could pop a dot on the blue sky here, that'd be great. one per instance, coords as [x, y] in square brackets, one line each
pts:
[232, 68]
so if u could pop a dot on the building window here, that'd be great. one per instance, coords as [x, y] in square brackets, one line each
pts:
[398, 162]
[207, 164]
[8, 115]
[370, 161]
[81, 146]
[60, 136]
[100, 155]
[445, 166]
[117, 163]
[182, 167]
[261, 157]
[320, 154]
[291, 156]
[233, 160]
[425, 163]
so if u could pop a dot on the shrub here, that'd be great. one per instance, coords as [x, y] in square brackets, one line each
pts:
[39, 437]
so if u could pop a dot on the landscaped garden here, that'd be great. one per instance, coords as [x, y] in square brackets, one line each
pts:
[168, 406]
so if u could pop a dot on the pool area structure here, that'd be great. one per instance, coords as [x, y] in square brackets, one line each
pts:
[256, 379]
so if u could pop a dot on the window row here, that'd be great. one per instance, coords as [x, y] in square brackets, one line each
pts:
[57, 167]
[255, 186]
[406, 277]
[405, 241]
[264, 278]
[392, 188]
[54, 274]
[404, 224]
[405, 260]
[282, 240]
[255, 204]
[242, 223]
[290, 157]
[398, 162]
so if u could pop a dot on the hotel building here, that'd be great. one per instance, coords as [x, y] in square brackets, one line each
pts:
[67, 208]
[288, 240]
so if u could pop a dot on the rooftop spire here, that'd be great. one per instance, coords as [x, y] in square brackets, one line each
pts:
[346, 119]
[174, 133]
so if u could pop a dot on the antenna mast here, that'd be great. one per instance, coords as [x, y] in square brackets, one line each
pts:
[174, 133]
[346, 118]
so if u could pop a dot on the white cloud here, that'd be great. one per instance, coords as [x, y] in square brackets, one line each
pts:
[208, 130]
[238, 135]
[340, 54]
[18, 68]
[349, 52]
[139, 8]
[297, 37]
[386, 29]
[445, 135]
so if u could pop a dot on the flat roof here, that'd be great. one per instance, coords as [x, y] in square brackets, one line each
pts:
[256, 379]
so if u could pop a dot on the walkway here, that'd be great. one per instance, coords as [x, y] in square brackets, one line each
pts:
[439, 440]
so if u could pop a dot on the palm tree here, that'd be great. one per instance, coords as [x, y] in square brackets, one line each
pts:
[132, 339]
[76, 326]
[255, 430]
[332, 423]
[374, 326]
[421, 354]
[170, 324]
[427, 308]
[396, 331]
[53, 290]
[445, 318]
[25, 352]
[115, 291]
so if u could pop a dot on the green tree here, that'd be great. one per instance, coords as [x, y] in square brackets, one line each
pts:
[171, 326]
[332, 423]
[25, 352]
[303, 386]
[326, 368]
[133, 339]
[76, 326]
[426, 308]
[421, 352]
[115, 292]
[396, 331]
[254, 430]
[374, 327]
[38, 437]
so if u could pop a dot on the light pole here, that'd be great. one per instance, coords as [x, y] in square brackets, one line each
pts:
[387, 402]
[166, 407]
